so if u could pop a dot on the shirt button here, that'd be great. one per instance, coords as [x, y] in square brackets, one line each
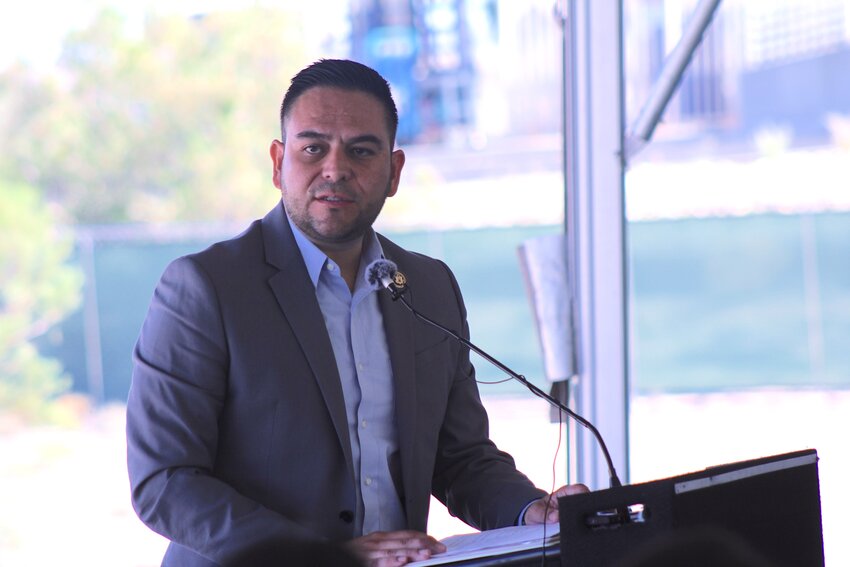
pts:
[363, 423]
[331, 267]
[360, 366]
[368, 481]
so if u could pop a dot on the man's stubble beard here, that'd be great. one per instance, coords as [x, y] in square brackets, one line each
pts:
[359, 226]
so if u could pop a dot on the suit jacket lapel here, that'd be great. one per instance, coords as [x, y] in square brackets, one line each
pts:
[398, 325]
[296, 295]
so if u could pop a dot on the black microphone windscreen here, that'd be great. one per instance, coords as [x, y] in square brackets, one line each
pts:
[379, 270]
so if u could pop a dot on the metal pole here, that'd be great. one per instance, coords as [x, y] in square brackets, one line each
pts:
[595, 146]
[91, 320]
[562, 13]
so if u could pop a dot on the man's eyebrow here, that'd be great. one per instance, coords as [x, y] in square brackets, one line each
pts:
[367, 138]
[312, 134]
[363, 138]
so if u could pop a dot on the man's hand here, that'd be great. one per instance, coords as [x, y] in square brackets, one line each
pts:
[388, 549]
[546, 509]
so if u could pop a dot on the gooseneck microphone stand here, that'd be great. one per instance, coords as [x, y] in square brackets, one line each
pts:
[398, 294]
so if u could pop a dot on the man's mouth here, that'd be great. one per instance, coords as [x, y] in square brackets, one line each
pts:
[334, 199]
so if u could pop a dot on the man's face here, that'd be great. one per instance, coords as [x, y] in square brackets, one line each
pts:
[335, 167]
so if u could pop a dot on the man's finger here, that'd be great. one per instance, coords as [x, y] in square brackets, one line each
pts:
[399, 540]
[388, 549]
[570, 489]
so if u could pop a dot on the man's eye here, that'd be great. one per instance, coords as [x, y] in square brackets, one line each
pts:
[362, 152]
[312, 150]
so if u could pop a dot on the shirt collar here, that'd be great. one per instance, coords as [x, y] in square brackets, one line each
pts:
[315, 259]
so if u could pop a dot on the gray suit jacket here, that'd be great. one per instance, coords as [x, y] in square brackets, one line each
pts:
[236, 424]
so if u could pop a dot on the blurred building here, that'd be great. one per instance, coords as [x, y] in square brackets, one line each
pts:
[796, 65]
[423, 49]
[763, 65]
[456, 65]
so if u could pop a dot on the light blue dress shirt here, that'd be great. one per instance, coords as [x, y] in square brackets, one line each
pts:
[356, 330]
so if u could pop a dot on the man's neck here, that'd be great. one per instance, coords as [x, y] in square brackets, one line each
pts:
[348, 260]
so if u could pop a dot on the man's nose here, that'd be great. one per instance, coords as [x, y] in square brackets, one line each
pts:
[336, 166]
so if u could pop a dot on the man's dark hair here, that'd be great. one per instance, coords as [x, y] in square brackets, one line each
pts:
[341, 74]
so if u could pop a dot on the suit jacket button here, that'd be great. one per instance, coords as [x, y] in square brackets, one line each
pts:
[346, 516]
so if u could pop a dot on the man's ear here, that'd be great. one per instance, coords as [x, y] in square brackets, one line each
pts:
[396, 163]
[276, 153]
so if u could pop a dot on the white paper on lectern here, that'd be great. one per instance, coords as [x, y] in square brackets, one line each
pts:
[491, 543]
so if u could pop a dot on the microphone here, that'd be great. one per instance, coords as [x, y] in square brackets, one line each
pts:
[385, 273]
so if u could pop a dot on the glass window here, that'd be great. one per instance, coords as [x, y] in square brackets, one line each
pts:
[739, 219]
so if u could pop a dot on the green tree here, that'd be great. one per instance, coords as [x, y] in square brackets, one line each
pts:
[170, 124]
[38, 288]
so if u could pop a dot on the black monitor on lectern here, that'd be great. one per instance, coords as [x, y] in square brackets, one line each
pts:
[765, 511]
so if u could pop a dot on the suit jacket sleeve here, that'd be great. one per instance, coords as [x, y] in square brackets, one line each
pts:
[177, 394]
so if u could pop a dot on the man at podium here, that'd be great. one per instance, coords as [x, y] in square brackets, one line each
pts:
[277, 395]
